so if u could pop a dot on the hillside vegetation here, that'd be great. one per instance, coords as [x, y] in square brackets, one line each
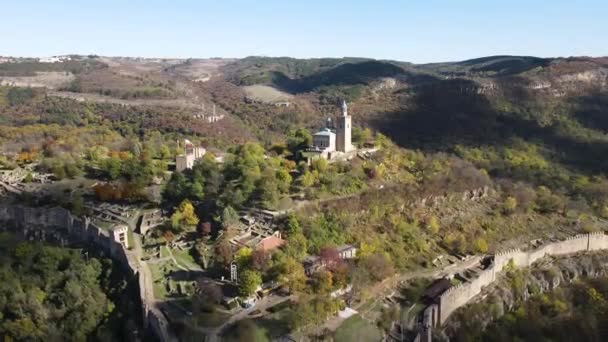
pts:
[473, 157]
[50, 293]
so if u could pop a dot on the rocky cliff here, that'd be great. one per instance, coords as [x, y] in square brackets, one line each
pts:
[519, 285]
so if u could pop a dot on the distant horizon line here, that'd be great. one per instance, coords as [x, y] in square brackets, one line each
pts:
[300, 58]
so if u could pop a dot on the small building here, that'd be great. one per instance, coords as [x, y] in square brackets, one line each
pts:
[347, 251]
[120, 233]
[324, 141]
[269, 243]
[312, 264]
[150, 219]
[186, 160]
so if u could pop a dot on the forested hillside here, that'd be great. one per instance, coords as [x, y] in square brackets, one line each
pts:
[58, 294]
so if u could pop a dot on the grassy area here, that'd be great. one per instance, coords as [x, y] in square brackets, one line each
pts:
[357, 329]
[185, 259]
[164, 252]
[158, 275]
[131, 238]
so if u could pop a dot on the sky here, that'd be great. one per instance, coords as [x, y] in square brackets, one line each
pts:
[419, 31]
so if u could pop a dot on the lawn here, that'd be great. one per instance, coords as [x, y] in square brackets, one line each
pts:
[276, 323]
[164, 252]
[356, 329]
[184, 258]
[157, 275]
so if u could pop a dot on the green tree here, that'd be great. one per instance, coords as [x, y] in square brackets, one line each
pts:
[292, 225]
[247, 331]
[196, 191]
[299, 140]
[433, 225]
[112, 167]
[323, 282]
[248, 282]
[480, 245]
[28, 178]
[296, 247]
[291, 275]
[243, 257]
[510, 205]
[77, 204]
[184, 216]
[165, 152]
[229, 217]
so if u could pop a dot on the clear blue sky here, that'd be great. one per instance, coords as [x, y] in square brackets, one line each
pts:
[408, 30]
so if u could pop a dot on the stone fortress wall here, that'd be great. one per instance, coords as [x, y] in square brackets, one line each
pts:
[436, 314]
[60, 225]
[459, 295]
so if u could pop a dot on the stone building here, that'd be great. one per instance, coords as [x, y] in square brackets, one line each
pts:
[343, 131]
[120, 233]
[150, 219]
[186, 160]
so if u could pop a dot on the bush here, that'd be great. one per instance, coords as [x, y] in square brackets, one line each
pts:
[480, 245]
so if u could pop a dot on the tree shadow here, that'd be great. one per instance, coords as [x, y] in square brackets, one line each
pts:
[592, 111]
[346, 74]
[453, 112]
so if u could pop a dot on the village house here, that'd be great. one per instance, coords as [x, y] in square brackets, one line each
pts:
[314, 263]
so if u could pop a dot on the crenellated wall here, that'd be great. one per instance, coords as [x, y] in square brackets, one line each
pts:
[59, 224]
[461, 294]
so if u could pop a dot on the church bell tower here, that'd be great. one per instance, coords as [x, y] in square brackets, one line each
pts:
[343, 131]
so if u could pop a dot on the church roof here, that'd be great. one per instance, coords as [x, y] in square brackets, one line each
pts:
[325, 132]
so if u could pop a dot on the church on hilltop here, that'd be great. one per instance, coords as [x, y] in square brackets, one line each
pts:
[331, 142]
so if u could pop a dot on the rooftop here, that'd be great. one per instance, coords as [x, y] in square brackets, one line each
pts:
[325, 132]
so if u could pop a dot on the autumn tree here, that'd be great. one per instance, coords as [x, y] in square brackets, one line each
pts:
[259, 259]
[323, 281]
[223, 253]
[379, 266]
[509, 205]
[242, 257]
[433, 225]
[249, 281]
[292, 275]
[329, 256]
[184, 216]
